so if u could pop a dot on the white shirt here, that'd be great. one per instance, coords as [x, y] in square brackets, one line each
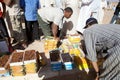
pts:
[74, 4]
[87, 7]
[51, 14]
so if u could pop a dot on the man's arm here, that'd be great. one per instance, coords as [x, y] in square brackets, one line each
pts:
[90, 41]
[54, 30]
[95, 65]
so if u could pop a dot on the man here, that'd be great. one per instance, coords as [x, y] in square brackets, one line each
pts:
[103, 40]
[50, 18]
[30, 8]
[89, 8]
[3, 29]
[15, 19]
[74, 4]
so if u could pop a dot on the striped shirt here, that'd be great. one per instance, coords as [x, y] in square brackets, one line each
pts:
[104, 40]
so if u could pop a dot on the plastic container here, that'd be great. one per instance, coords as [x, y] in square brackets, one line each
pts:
[55, 60]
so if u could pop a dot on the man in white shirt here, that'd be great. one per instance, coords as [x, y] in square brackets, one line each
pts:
[74, 4]
[89, 8]
[50, 18]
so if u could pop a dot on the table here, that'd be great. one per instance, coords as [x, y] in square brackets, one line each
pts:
[45, 72]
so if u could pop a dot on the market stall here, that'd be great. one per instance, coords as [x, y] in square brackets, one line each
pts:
[67, 63]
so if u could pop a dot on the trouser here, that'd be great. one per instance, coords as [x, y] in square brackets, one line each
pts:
[46, 29]
[32, 30]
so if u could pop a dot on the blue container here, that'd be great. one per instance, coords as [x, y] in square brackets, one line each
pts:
[56, 66]
[68, 65]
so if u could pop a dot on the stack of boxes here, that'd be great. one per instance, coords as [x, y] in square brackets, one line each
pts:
[24, 62]
[72, 46]
[49, 44]
[74, 39]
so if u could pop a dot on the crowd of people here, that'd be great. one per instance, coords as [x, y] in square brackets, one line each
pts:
[83, 17]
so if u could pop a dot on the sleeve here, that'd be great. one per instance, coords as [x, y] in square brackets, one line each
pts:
[90, 41]
[57, 20]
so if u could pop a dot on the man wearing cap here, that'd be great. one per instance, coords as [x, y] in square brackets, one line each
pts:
[103, 41]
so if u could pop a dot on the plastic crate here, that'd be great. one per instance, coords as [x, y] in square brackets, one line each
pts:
[55, 60]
